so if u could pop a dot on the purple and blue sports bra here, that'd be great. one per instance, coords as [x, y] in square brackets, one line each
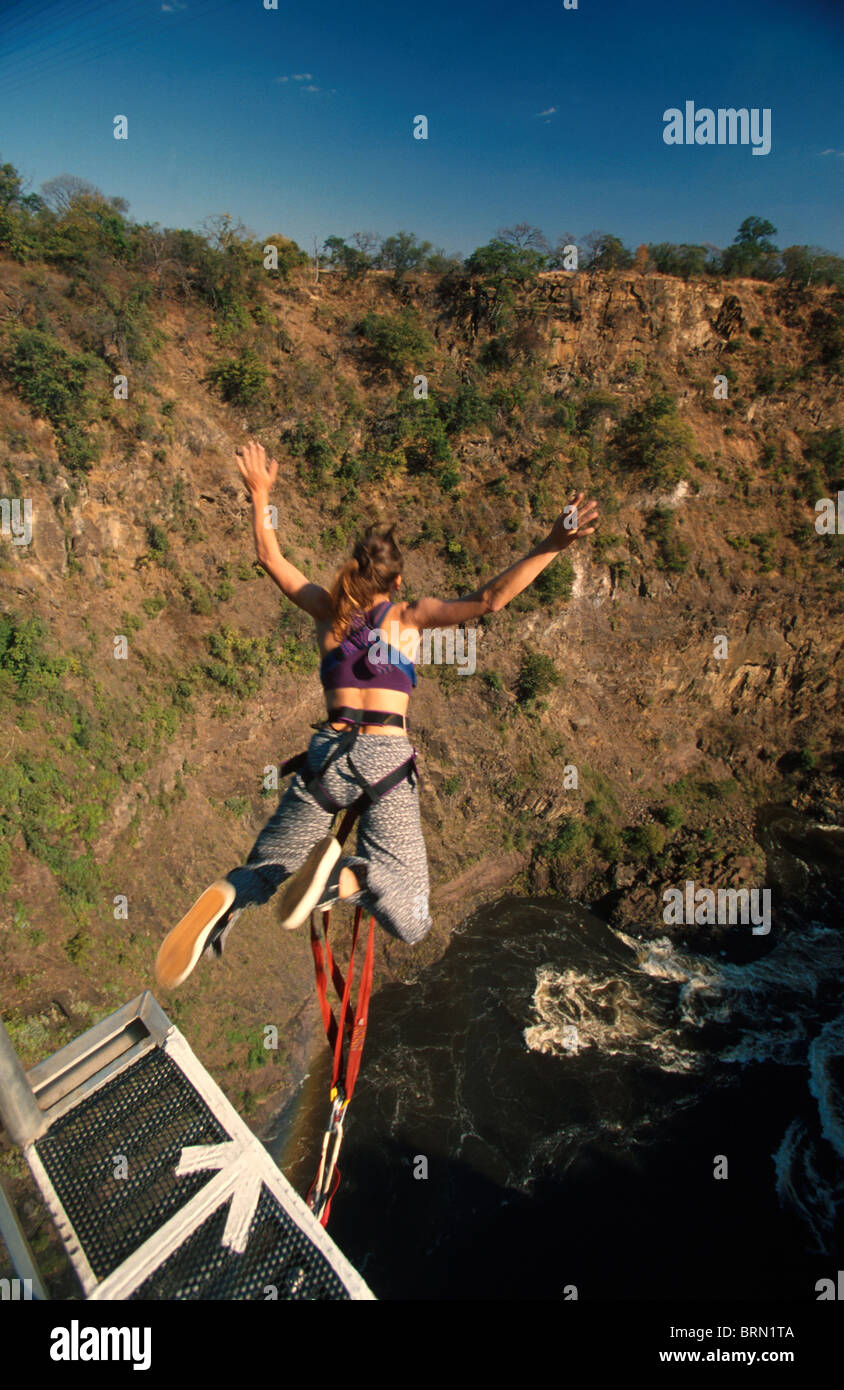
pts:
[349, 664]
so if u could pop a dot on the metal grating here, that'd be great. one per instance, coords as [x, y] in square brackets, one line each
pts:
[148, 1113]
[278, 1255]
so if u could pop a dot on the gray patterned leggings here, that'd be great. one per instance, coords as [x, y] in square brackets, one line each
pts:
[391, 864]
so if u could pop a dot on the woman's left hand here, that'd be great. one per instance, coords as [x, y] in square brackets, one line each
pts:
[251, 459]
[574, 521]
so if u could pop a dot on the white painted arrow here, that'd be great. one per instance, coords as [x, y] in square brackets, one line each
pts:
[246, 1194]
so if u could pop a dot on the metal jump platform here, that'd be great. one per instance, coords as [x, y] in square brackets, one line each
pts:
[156, 1186]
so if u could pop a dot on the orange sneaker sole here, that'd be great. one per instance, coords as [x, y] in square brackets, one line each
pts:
[182, 947]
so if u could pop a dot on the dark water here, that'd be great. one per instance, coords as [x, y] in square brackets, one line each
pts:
[569, 1090]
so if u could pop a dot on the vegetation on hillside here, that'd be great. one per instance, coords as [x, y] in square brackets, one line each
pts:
[434, 390]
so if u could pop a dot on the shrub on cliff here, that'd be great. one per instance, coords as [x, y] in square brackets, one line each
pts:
[655, 440]
[554, 584]
[672, 553]
[826, 448]
[396, 343]
[52, 381]
[465, 410]
[550, 588]
[537, 675]
[645, 841]
[55, 384]
[307, 443]
[26, 671]
[827, 332]
[241, 380]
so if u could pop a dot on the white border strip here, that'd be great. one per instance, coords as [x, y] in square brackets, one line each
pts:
[70, 1240]
[168, 1238]
[98, 1079]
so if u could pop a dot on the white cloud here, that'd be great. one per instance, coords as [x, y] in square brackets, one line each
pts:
[306, 78]
[839, 153]
[550, 112]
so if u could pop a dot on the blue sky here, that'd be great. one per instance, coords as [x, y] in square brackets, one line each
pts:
[536, 113]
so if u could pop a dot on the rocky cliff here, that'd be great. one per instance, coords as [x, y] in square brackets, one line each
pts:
[693, 648]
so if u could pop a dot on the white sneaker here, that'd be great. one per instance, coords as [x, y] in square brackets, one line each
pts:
[304, 890]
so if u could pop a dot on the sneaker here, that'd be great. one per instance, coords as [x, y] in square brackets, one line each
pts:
[331, 892]
[304, 890]
[216, 943]
[182, 947]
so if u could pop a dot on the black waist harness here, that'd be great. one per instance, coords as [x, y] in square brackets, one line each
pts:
[370, 791]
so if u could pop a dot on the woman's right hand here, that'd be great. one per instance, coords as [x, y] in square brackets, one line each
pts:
[573, 522]
[251, 459]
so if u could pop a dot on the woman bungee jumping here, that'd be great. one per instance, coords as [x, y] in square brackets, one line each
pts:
[360, 749]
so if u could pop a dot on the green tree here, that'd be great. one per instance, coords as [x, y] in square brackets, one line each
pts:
[500, 261]
[755, 232]
[353, 262]
[403, 252]
[484, 287]
[752, 253]
[808, 265]
[687, 260]
[224, 267]
[606, 252]
[289, 254]
[439, 263]
[16, 208]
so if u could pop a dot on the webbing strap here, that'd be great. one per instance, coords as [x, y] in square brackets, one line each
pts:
[350, 1025]
[373, 791]
[348, 1029]
[350, 714]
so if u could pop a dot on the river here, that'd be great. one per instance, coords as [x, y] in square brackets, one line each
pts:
[559, 1106]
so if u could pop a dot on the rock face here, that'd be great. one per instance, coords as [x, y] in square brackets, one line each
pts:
[646, 694]
[598, 324]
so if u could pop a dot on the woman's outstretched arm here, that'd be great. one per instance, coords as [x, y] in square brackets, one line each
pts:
[259, 478]
[573, 522]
